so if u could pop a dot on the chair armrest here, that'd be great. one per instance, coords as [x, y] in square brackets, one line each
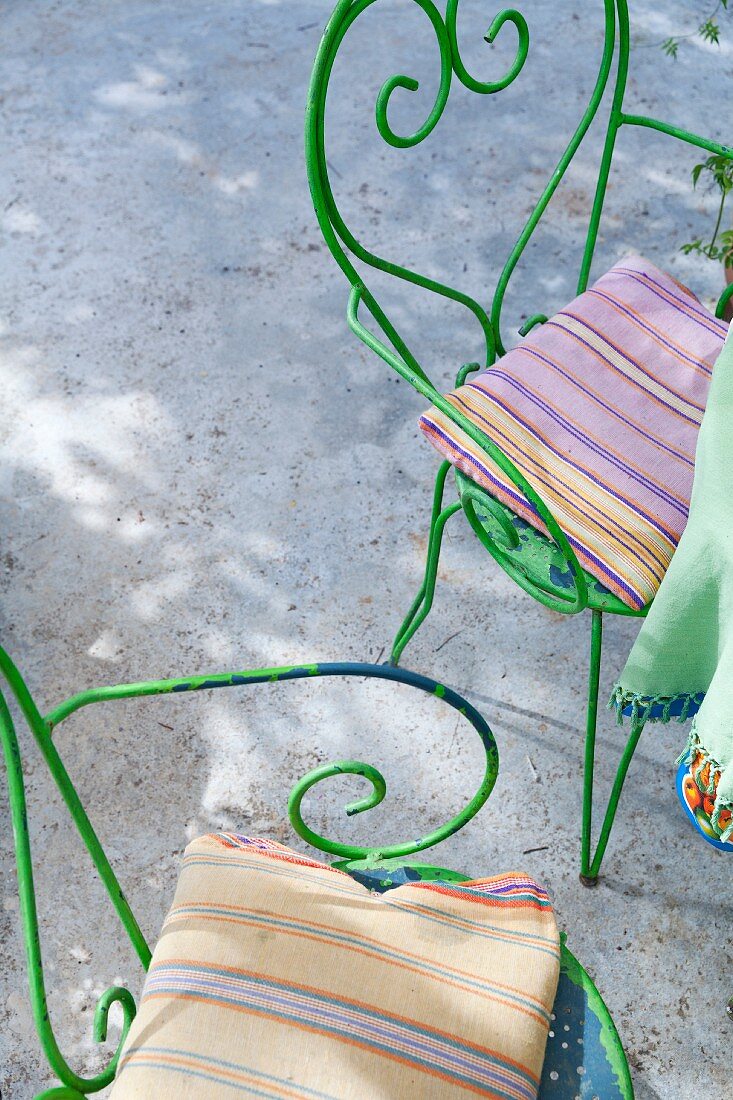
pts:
[363, 858]
[420, 381]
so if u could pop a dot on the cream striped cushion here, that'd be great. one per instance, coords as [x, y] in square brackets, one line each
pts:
[277, 976]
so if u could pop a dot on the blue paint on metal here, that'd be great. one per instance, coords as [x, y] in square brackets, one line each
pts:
[575, 1059]
[562, 578]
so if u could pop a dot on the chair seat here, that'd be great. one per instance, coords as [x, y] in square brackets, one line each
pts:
[541, 561]
[599, 408]
[584, 1056]
[276, 975]
[279, 976]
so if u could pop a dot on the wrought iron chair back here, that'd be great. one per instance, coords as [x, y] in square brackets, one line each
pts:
[538, 560]
[344, 244]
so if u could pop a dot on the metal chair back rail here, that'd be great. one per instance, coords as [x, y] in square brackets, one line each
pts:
[490, 520]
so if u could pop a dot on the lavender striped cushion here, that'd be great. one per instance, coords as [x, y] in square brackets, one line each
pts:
[600, 409]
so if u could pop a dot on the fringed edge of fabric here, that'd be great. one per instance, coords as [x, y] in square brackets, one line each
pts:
[642, 706]
[702, 762]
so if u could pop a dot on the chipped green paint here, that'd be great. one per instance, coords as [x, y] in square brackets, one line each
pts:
[377, 855]
[533, 560]
[180, 684]
[378, 868]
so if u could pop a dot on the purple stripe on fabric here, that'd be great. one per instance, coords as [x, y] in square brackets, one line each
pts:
[490, 988]
[511, 888]
[601, 566]
[638, 555]
[421, 1043]
[528, 349]
[636, 508]
[515, 883]
[648, 328]
[526, 887]
[628, 358]
[718, 327]
[590, 444]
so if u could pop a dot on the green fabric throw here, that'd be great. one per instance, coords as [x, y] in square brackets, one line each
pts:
[683, 655]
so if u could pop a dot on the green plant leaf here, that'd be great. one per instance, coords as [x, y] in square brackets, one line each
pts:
[692, 246]
[720, 169]
[726, 239]
[709, 31]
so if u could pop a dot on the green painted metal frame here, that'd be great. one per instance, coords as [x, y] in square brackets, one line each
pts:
[378, 867]
[385, 860]
[494, 528]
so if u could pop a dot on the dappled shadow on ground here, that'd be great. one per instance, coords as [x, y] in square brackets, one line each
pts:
[201, 470]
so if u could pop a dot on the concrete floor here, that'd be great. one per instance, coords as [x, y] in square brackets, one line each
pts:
[201, 469]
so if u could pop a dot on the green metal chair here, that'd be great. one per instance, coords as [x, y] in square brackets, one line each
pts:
[584, 1053]
[534, 559]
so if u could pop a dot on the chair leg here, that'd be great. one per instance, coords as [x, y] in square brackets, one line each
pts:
[590, 865]
[424, 599]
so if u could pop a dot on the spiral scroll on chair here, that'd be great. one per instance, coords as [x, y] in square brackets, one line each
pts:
[450, 62]
[379, 785]
[337, 234]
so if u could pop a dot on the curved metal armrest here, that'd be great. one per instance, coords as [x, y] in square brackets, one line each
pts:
[563, 601]
[75, 1085]
[362, 857]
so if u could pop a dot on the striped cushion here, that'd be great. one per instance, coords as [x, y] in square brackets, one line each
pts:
[600, 408]
[277, 976]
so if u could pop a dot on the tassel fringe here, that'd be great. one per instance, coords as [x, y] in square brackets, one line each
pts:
[644, 706]
[705, 768]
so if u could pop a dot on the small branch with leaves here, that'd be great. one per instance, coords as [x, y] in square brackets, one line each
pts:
[708, 30]
[719, 172]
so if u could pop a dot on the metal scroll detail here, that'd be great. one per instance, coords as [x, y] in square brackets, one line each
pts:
[341, 241]
[450, 62]
[346, 248]
[42, 728]
[374, 855]
[29, 916]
